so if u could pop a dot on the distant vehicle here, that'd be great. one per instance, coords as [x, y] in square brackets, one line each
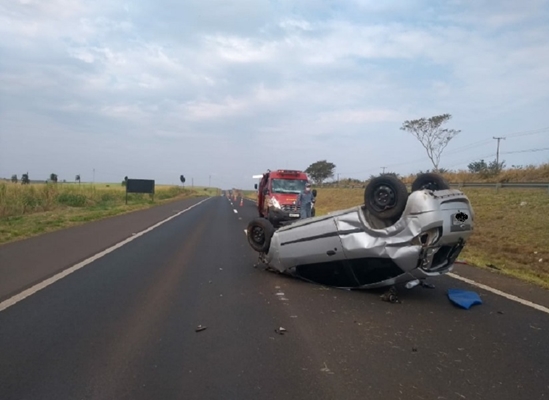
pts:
[277, 195]
[394, 237]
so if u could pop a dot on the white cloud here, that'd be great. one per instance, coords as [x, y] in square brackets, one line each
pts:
[264, 81]
[361, 116]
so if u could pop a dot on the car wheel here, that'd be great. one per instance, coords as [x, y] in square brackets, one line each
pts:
[385, 197]
[259, 232]
[430, 181]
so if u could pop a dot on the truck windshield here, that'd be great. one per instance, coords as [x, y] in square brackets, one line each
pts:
[288, 185]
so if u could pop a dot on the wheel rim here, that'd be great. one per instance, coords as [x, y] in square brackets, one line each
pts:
[383, 198]
[258, 236]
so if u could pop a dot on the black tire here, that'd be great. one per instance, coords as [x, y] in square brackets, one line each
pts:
[430, 181]
[385, 197]
[259, 233]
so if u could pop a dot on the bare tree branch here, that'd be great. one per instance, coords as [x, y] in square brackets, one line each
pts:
[429, 133]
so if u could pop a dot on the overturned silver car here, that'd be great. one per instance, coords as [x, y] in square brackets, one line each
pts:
[394, 237]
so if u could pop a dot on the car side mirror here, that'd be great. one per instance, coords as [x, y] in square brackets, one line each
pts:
[265, 191]
[314, 192]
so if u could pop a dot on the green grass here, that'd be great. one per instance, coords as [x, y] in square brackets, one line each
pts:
[510, 236]
[30, 210]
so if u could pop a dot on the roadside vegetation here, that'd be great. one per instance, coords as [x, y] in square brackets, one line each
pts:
[32, 209]
[484, 174]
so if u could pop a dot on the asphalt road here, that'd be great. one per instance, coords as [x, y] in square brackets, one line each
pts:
[123, 327]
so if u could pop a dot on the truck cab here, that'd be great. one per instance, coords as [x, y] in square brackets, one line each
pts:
[277, 195]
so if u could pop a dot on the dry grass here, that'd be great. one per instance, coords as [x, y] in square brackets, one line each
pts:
[29, 210]
[249, 194]
[529, 174]
[508, 236]
[538, 174]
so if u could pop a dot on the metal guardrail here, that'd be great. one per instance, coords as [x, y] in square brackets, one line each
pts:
[498, 186]
[530, 185]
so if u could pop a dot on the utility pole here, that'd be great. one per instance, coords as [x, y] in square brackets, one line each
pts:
[94, 176]
[210, 182]
[497, 152]
[383, 169]
[192, 182]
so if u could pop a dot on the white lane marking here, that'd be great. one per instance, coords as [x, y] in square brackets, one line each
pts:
[32, 290]
[235, 211]
[499, 292]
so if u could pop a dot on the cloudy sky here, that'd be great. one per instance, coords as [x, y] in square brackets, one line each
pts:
[159, 88]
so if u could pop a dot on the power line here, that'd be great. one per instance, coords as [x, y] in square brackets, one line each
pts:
[511, 135]
[471, 145]
[471, 160]
[526, 151]
[460, 149]
[528, 133]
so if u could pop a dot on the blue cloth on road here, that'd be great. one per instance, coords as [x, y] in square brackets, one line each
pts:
[464, 298]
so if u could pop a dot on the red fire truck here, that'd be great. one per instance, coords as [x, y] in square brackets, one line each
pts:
[277, 195]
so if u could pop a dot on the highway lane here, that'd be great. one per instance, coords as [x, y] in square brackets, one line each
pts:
[123, 327]
[27, 262]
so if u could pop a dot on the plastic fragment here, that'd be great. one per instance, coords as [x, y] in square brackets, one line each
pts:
[464, 298]
[200, 328]
[412, 284]
[280, 331]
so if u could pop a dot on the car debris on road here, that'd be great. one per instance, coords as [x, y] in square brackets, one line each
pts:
[390, 296]
[394, 237]
[280, 331]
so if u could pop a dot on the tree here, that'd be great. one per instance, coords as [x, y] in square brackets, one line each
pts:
[486, 170]
[320, 171]
[431, 136]
[182, 179]
[53, 178]
[14, 178]
[25, 179]
[77, 178]
[477, 166]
